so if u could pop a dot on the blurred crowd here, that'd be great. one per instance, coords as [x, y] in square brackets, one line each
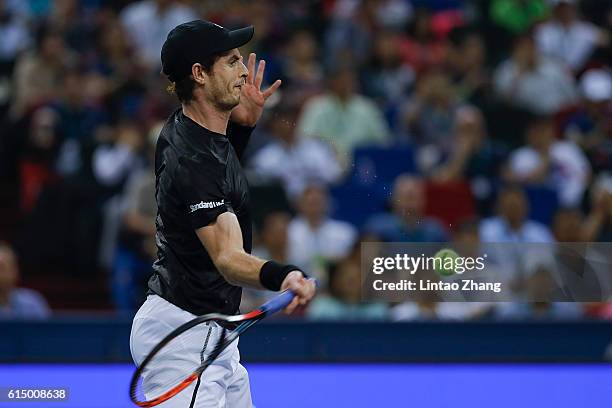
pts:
[491, 119]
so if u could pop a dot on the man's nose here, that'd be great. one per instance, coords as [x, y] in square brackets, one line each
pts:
[245, 70]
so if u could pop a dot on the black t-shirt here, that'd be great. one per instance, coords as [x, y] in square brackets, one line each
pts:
[198, 177]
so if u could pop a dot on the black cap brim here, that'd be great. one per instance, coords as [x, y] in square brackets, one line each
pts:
[237, 38]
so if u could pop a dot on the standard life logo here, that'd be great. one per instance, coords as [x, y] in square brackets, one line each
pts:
[208, 204]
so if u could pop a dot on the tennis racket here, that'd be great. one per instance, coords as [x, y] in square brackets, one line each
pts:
[179, 379]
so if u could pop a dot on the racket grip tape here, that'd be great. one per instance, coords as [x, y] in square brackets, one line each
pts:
[279, 302]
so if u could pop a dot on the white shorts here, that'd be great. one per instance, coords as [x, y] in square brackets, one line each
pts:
[225, 384]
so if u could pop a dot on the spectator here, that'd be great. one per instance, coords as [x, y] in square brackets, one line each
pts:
[344, 301]
[467, 59]
[516, 248]
[136, 249]
[274, 237]
[473, 157]
[466, 240]
[270, 28]
[113, 164]
[79, 118]
[598, 224]
[567, 225]
[350, 32]
[38, 74]
[568, 38]
[406, 222]
[546, 161]
[342, 117]
[148, 22]
[591, 125]
[296, 161]
[114, 53]
[580, 269]
[314, 238]
[539, 286]
[427, 117]
[301, 68]
[273, 244]
[511, 223]
[17, 303]
[15, 36]
[509, 233]
[533, 82]
[39, 154]
[387, 78]
[421, 48]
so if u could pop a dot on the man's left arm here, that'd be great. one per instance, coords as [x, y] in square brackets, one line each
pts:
[239, 137]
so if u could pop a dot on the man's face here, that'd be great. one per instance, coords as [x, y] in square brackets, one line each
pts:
[540, 135]
[313, 203]
[565, 12]
[513, 207]
[346, 282]
[225, 82]
[274, 234]
[409, 198]
[343, 84]
[525, 53]
[8, 270]
[567, 226]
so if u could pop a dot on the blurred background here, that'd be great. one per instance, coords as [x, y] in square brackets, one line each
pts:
[397, 121]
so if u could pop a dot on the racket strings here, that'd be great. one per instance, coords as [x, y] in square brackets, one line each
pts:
[224, 341]
[180, 373]
[181, 353]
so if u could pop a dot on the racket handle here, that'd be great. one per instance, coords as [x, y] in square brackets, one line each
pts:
[279, 302]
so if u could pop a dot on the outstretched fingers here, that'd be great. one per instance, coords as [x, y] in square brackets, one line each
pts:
[251, 68]
[268, 92]
[261, 67]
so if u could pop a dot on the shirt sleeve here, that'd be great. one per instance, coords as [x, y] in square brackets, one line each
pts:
[239, 137]
[200, 186]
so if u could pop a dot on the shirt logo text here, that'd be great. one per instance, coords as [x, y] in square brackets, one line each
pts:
[203, 205]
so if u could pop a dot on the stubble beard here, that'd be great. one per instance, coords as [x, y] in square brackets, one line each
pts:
[227, 103]
[224, 101]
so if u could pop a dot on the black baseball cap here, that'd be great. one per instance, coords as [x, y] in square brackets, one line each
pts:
[196, 40]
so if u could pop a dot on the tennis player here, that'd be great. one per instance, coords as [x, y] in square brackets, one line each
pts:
[203, 221]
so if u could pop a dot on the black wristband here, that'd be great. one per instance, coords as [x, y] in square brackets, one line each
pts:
[272, 274]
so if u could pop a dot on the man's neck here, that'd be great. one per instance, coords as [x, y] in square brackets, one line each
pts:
[207, 116]
[411, 220]
[343, 99]
[288, 143]
[314, 223]
[515, 226]
[4, 298]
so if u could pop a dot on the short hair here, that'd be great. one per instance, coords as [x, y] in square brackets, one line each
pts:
[184, 87]
[536, 119]
[511, 188]
[468, 225]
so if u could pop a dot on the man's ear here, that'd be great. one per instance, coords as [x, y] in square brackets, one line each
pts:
[199, 75]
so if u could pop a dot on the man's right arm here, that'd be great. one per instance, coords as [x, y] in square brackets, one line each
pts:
[223, 242]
